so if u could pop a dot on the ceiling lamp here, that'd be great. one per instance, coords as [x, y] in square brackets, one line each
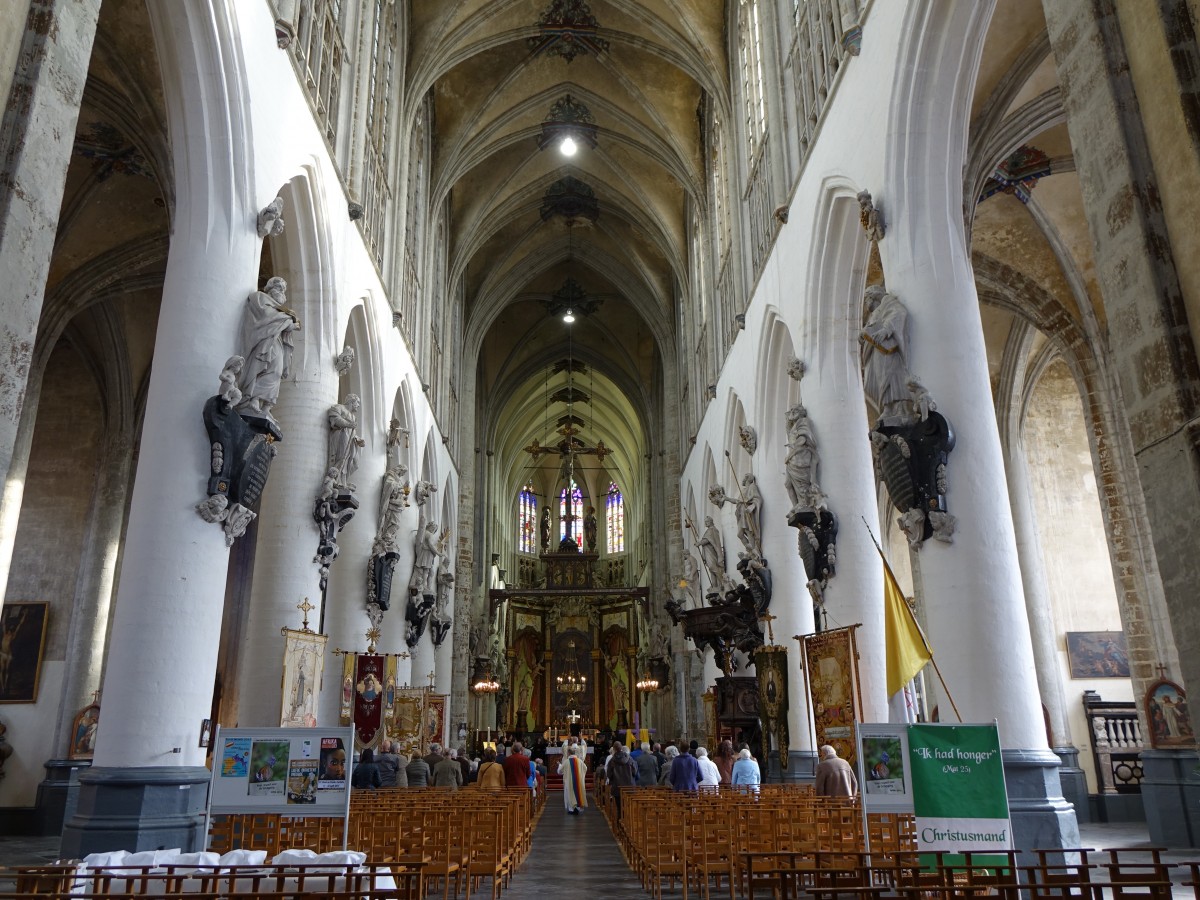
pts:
[568, 146]
[486, 683]
[569, 316]
[572, 682]
[648, 684]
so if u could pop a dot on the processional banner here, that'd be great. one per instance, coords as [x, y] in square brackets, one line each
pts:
[406, 726]
[363, 678]
[303, 666]
[831, 674]
[771, 665]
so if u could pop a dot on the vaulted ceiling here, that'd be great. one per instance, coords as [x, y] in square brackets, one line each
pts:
[534, 231]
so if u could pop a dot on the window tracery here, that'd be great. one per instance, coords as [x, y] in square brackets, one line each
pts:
[570, 513]
[614, 520]
[527, 520]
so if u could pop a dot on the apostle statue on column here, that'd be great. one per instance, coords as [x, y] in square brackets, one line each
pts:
[344, 440]
[884, 352]
[268, 327]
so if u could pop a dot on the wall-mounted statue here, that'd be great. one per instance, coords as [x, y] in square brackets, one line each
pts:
[747, 508]
[268, 328]
[691, 579]
[810, 513]
[712, 552]
[345, 443]
[270, 219]
[440, 626]
[869, 218]
[344, 362]
[425, 554]
[801, 461]
[242, 432]
[884, 353]
[393, 500]
[589, 529]
[748, 438]
[544, 530]
[911, 440]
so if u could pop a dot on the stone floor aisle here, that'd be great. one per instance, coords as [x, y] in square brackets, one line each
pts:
[571, 854]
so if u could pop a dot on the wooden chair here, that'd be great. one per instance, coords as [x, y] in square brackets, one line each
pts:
[490, 856]
[710, 853]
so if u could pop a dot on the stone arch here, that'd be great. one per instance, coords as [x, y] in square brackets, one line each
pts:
[402, 414]
[363, 377]
[735, 419]
[776, 390]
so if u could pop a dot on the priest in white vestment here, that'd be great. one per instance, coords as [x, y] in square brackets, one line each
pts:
[574, 772]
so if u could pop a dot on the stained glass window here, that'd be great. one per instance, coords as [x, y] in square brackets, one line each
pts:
[570, 513]
[614, 520]
[527, 521]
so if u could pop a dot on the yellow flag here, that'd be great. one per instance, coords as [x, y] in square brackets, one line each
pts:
[907, 651]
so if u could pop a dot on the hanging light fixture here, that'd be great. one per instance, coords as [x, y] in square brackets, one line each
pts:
[648, 684]
[486, 683]
[567, 146]
[569, 316]
[572, 682]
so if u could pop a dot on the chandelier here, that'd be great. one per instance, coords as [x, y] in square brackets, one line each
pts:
[572, 682]
[648, 684]
[486, 683]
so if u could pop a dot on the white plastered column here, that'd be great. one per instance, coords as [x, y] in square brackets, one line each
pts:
[973, 597]
[833, 395]
[167, 622]
[284, 571]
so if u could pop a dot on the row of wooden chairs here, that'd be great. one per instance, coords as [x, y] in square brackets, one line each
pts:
[1120, 874]
[367, 882]
[456, 837]
[704, 836]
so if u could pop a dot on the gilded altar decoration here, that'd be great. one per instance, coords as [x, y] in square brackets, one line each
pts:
[831, 675]
[303, 666]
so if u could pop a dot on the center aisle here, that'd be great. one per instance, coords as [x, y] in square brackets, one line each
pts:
[574, 853]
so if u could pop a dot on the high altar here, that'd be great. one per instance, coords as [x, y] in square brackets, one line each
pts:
[572, 649]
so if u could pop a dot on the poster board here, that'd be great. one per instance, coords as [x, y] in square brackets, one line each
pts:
[884, 775]
[950, 776]
[290, 771]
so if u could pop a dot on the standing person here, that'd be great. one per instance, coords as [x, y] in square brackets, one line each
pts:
[622, 774]
[389, 764]
[685, 772]
[366, 773]
[448, 773]
[491, 773]
[465, 764]
[434, 756]
[516, 766]
[746, 771]
[574, 773]
[710, 775]
[723, 759]
[664, 776]
[835, 776]
[418, 772]
[647, 768]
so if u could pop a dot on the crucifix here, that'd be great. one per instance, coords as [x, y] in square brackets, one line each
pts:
[573, 717]
[768, 618]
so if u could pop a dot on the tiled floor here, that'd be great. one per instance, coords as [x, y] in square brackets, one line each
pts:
[578, 853]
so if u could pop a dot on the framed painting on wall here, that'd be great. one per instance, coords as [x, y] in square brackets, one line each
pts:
[1097, 654]
[22, 642]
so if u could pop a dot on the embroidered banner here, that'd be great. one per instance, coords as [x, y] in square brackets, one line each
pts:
[771, 665]
[831, 673]
[368, 699]
[303, 664]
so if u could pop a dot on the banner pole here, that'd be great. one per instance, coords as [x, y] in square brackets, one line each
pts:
[920, 630]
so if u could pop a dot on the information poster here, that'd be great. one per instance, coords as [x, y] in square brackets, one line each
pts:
[884, 773]
[294, 771]
[959, 794]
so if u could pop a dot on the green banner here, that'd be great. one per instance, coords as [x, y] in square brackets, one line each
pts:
[959, 795]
